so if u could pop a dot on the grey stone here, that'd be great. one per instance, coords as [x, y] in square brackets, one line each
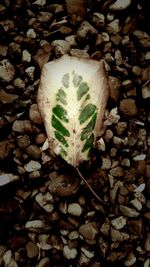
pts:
[7, 70]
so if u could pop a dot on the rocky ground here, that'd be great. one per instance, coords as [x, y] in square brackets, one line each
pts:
[48, 217]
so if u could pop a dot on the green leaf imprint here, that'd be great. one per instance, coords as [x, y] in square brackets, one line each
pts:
[63, 153]
[86, 112]
[61, 96]
[88, 144]
[77, 79]
[82, 90]
[61, 113]
[89, 128]
[65, 80]
[59, 127]
[61, 139]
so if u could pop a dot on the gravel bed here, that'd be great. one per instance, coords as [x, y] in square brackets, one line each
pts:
[48, 217]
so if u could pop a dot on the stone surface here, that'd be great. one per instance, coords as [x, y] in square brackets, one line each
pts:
[129, 212]
[60, 47]
[89, 231]
[32, 165]
[6, 98]
[32, 250]
[119, 223]
[7, 70]
[128, 107]
[120, 5]
[74, 209]
[113, 27]
[5, 149]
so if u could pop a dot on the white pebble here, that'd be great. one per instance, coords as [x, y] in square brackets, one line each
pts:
[120, 5]
[26, 56]
[139, 157]
[74, 209]
[69, 253]
[119, 223]
[32, 165]
[30, 72]
[136, 204]
[31, 33]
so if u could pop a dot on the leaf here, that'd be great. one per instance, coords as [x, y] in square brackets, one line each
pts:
[72, 97]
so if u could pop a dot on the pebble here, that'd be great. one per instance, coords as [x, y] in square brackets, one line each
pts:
[143, 38]
[113, 27]
[6, 178]
[60, 47]
[30, 72]
[118, 236]
[5, 149]
[45, 262]
[32, 165]
[125, 162]
[73, 235]
[106, 163]
[85, 31]
[26, 56]
[23, 141]
[76, 11]
[114, 84]
[63, 185]
[3, 50]
[146, 91]
[34, 225]
[41, 58]
[32, 250]
[44, 16]
[45, 201]
[79, 53]
[31, 33]
[117, 172]
[7, 71]
[119, 222]
[39, 3]
[69, 253]
[135, 227]
[147, 242]
[22, 126]
[136, 204]
[40, 138]
[7, 98]
[87, 253]
[130, 259]
[129, 212]
[8, 259]
[120, 5]
[74, 209]
[33, 151]
[128, 107]
[44, 242]
[105, 228]
[19, 83]
[34, 114]
[98, 20]
[89, 230]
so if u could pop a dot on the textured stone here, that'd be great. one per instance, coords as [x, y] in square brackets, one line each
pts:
[128, 107]
[129, 212]
[74, 209]
[120, 5]
[7, 71]
[5, 149]
[60, 47]
[119, 222]
[89, 230]
[32, 165]
[32, 250]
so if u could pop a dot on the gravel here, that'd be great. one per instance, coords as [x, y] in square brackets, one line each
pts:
[48, 215]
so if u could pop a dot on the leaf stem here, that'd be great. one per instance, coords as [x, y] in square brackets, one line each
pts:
[90, 188]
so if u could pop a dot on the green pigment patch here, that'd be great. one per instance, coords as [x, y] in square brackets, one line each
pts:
[86, 112]
[61, 113]
[65, 80]
[59, 127]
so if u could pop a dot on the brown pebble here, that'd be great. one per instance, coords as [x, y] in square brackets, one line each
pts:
[128, 107]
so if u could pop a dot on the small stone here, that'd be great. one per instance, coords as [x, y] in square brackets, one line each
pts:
[33, 151]
[32, 165]
[79, 53]
[130, 259]
[5, 149]
[32, 250]
[136, 70]
[74, 209]
[19, 83]
[117, 172]
[3, 50]
[105, 228]
[128, 107]
[8, 259]
[23, 141]
[6, 178]
[44, 16]
[26, 56]
[63, 185]
[76, 11]
[143, 38]
[129, 212]
[41, 57]
[118, 57]
[89, 230]
[45, 262]
[119, 222]
[60, 47]
[34, 114]
[7, 70]
[73, 235]
[147, 216]
[34, 174]
[136, 204]
[71, 40]
[44, 241]
[147, 242]
[139, 157]
[40, 138]
[22, 126]
[98, 20]
[146, 91]
[120, 5]
[69, 253]
[113, 27]
[116, 39]
[135, 227]
[45, 46]
[31, 33]
[86, 31]
[121, 127]
[45, 201]
[125, 162]
[30, 72]
[6, 98]
[115, 85]
[118, 236]
[39, 3]
[87, 253]
[35, 225]
[106, 163]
